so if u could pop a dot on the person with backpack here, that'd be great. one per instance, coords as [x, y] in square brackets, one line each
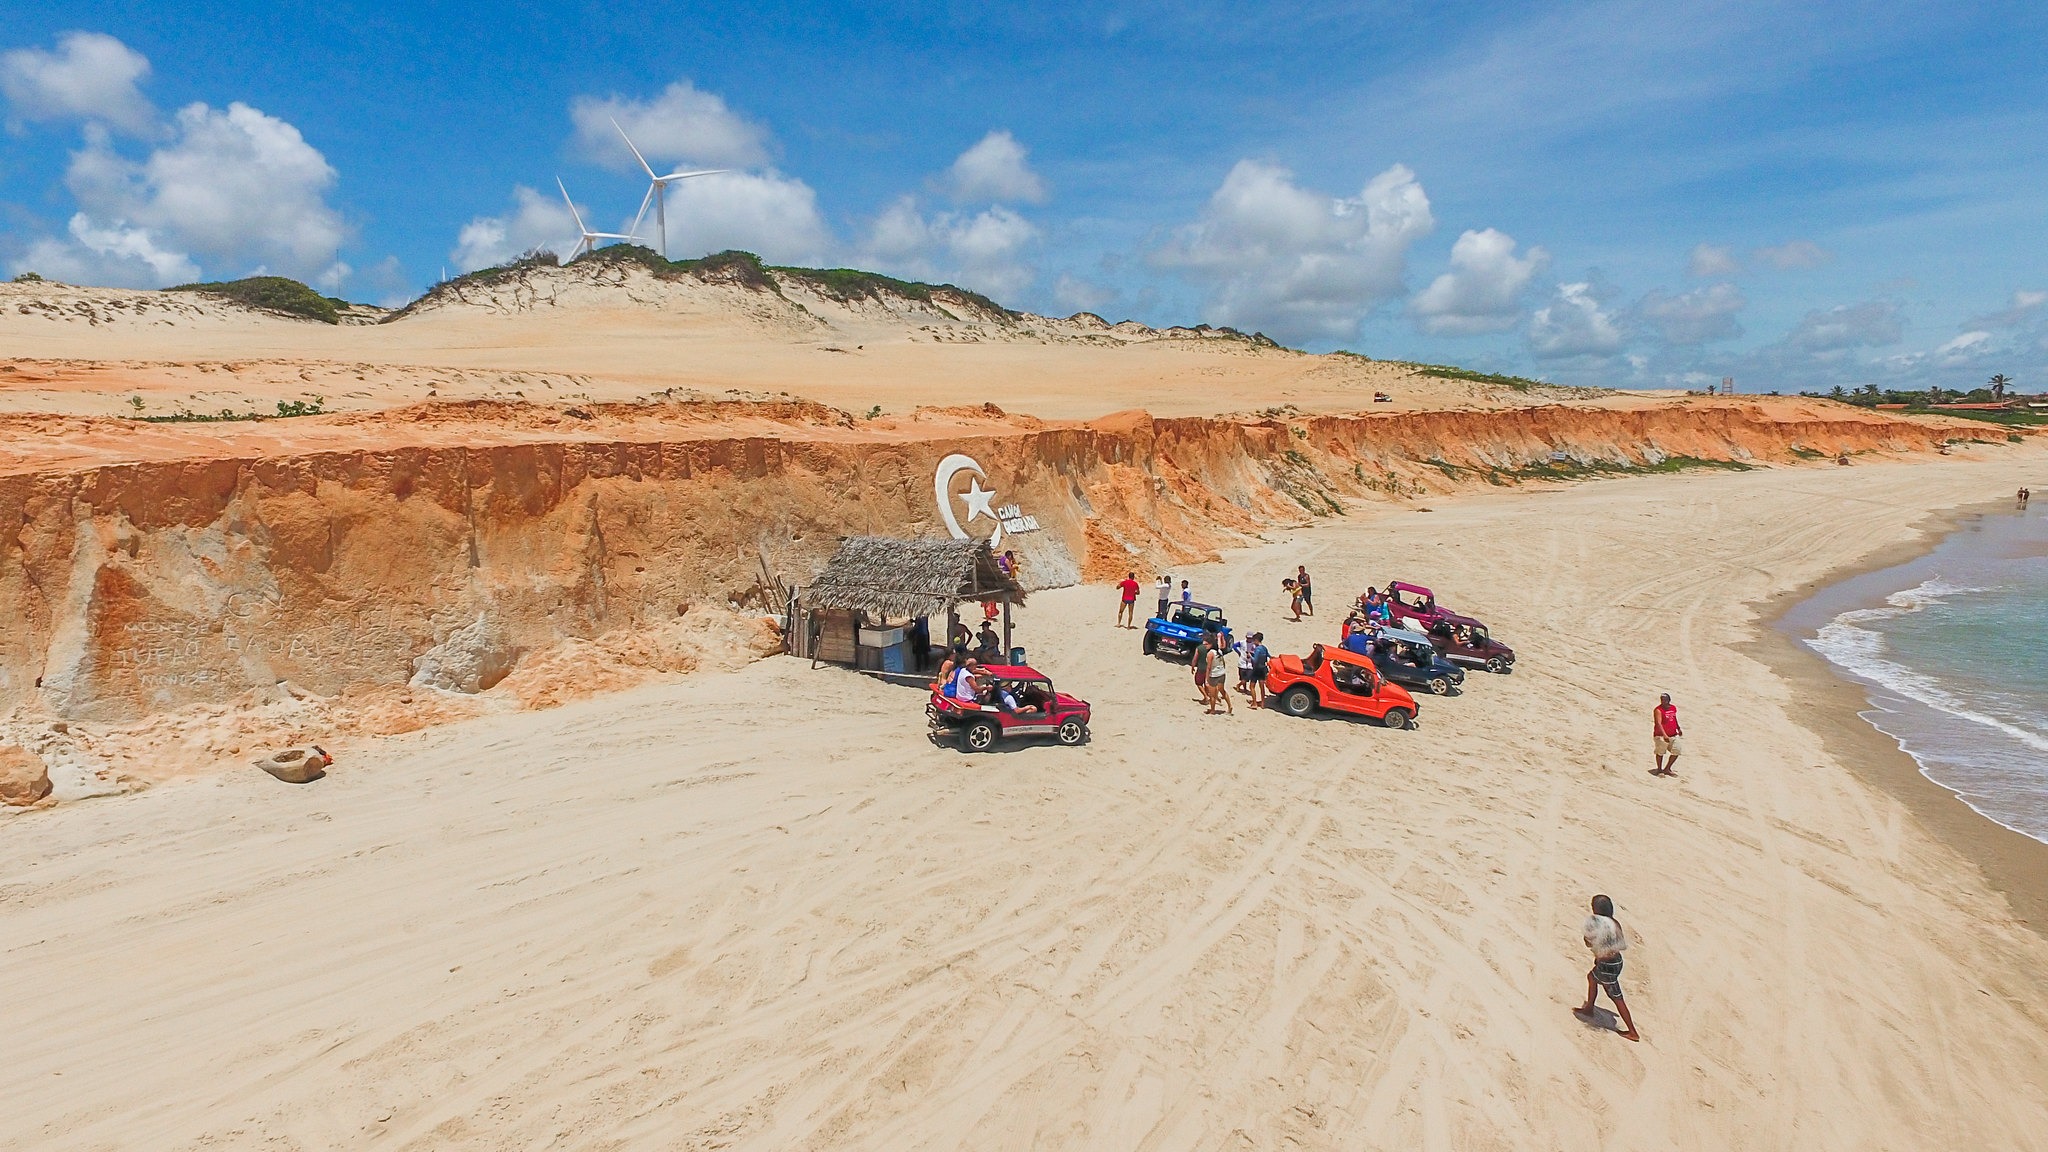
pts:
[1256, 660]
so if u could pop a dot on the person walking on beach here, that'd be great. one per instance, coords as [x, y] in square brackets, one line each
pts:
[1127, 610]
[2024, 495]
[1308, 603]
[1605, 939]
[1293, 597]
[1199, 667]
[1665, 738]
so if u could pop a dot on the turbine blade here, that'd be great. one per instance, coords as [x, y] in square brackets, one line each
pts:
[642, 213]
[577, 216]
[635, 151]
[687, 175]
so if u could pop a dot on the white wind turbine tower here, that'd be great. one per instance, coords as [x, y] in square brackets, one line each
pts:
[657, 189]
[586, 239]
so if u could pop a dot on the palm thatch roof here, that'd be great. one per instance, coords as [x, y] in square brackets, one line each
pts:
[888, 577]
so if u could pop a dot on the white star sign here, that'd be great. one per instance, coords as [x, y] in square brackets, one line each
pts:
[978, 501]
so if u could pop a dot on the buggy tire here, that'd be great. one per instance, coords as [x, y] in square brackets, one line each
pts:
[1072, 732]
[1151, 644]
[1298, 701]
[1497, 666]
[1397, 719]
[1441, 685]
[978, 736]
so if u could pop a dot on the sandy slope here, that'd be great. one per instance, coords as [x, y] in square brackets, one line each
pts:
[756, 910]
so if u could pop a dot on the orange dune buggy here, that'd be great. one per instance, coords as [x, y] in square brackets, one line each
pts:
[1338, 681]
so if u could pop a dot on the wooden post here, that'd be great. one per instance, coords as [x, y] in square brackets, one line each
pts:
[1006, 626]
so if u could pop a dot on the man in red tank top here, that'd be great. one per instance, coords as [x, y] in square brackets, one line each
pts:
[1665, 738]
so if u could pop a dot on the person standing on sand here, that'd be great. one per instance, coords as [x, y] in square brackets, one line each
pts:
[1665, 738]
[1199, 666]
[1187, 594]
[1308, 603]
[1258, 657]
[1165, 588]
[1605, 939]
[1293, 597]
[1220, 664]
[1127, 610]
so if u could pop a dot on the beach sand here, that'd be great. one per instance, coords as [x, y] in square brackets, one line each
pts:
[757, 910]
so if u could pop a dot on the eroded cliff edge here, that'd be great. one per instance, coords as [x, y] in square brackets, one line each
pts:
[442, 549]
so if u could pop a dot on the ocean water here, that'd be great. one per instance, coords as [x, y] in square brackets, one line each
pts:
[1952, 651]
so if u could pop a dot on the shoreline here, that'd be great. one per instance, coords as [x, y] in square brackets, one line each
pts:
[2013, 864]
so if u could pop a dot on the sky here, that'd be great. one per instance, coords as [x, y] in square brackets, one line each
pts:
[1795, 195]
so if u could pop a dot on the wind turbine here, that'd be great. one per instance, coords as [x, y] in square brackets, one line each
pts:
[657, 189]
[588, 239]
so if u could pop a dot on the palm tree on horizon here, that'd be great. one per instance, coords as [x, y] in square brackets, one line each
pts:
[1998, 384]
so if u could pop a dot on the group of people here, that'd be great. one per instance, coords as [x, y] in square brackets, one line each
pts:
[1371, 613]
[1217, 658]
[965, 678]
[1127, 602]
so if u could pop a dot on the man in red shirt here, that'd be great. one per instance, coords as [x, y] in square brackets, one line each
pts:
[1127, 612]
[1665, 738]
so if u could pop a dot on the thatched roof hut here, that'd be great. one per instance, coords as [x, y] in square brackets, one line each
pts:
[886, 577]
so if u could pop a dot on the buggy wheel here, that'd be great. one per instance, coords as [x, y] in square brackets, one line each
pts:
[979, 736]
[1072, 732]
[1497, 666]
[1151, 644]
[1441, 685]
[1298, 701]
[1396, 718]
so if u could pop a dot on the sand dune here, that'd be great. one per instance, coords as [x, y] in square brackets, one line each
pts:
[757, 910]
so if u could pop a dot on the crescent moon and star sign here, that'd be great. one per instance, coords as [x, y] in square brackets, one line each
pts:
[980, 502]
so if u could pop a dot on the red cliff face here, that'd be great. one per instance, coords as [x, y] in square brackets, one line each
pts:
[431, 550]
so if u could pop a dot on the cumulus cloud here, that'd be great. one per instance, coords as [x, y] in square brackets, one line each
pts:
[995, 169]
[1710, 260]
[982, 250]
[89, 76]
[773, 216]
[1483, 290]
[1871, 324]
[1967, 344]
[116, 255]
[1572, 323]
[232, 187]
[1793, 255]
[1295, 263]
[683, 124]
[1695, 317]
[2024, 307]
[535, 221]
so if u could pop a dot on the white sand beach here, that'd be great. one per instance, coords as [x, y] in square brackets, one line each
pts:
[758, 910]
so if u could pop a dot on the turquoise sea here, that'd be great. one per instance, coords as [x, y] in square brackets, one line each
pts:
[1952, 651]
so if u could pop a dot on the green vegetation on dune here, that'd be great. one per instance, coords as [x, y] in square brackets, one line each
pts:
[278, 294]
[285, 409]
[1451, 372]
[1588, 469]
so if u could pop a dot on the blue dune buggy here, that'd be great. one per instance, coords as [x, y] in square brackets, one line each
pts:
[1183, 629]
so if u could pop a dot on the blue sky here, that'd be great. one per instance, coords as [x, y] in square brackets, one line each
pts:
[1798, 195]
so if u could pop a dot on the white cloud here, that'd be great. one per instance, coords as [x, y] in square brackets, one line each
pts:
[2024, 306]
[90, 76]
[1969, 343]
[232, 186]
[1573, 324]
[1694, 317]
[1077, 295]
[1793, 255]
[983, 250]
[1709, 260]
[994, 169]
[1483, 290]
[1295, 263]
[117, 255]
[1845, 326]
[683, 124]
[536, 221]
[773, 216]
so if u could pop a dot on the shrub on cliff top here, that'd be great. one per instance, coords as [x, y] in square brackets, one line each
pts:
[276, 294]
